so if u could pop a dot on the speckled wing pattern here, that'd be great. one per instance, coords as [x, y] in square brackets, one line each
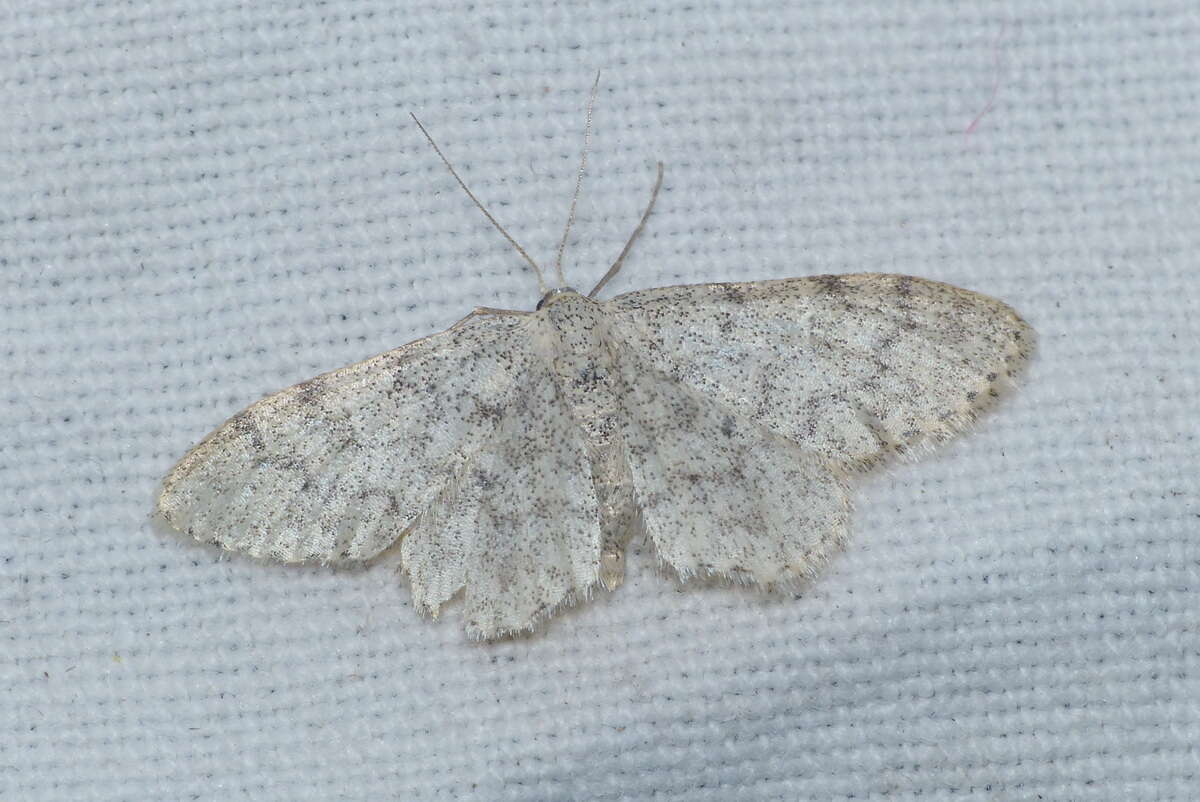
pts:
[335, 468]
[517, 528]
[515, 452]
[459, 442]
[851, 367]
[751, 404]
[720, 494]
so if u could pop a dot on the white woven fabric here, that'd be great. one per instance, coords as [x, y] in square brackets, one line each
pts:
[206, 202]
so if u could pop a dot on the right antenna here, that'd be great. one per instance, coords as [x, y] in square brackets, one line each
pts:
[616, 266]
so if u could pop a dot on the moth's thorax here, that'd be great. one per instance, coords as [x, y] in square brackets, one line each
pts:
[584, 365]
[578, 322]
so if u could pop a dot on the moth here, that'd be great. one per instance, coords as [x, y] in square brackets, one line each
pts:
[513, 455]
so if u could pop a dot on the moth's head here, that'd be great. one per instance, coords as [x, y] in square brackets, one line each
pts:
[556, 294]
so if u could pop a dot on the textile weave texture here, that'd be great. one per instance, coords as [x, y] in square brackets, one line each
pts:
[207, 201]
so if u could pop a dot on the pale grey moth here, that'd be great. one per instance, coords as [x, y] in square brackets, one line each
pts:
[513, 455]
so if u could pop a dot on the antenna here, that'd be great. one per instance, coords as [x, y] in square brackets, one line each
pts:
[616, 266]
[587, 138]
[487, 214]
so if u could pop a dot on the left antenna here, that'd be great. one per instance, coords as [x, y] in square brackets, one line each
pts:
[537, 270]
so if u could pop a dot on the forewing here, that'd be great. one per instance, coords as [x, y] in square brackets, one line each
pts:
[850, 367]
[721, 494]
[519, 527]
[336, 468]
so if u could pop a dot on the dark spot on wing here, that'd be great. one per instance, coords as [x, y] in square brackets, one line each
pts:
[308, 392]
[484, 480]
[488, 411]
[733, 293]
[727, 428]
[244, 424]
[833, 285]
